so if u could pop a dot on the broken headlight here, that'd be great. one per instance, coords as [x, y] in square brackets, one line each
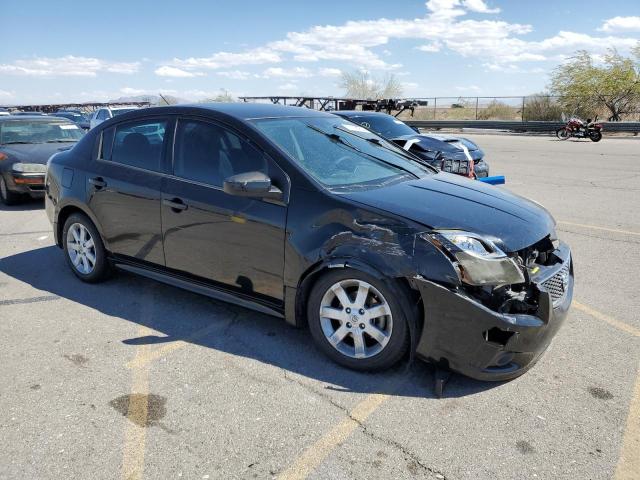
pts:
[479, 260]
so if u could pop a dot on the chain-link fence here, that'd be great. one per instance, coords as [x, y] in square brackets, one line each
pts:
[530, 108]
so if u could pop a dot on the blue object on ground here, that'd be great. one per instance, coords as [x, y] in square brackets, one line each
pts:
[495, 180]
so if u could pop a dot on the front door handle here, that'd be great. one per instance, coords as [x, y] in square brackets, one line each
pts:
[98, 182]
[175, 204]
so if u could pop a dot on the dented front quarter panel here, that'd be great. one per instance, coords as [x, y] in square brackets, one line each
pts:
[323, 228]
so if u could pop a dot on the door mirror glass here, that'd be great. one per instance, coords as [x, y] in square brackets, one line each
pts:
[251, 184]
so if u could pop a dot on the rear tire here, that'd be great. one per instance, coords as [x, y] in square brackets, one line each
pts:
[595, 136]
[84, 249]
[562, 134]
[7, 196]
[366, 330]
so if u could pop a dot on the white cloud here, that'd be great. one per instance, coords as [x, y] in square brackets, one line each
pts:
[621, 24]
[288, 87]
[219, 60]
[430, 47]
[68, 65]
[296, 72]
[479, 6]
[330, 72]
[235, 74]
[5, 95]
[167, 71]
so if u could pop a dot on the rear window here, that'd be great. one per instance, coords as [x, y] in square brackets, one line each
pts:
[15, 132]
[137, 144]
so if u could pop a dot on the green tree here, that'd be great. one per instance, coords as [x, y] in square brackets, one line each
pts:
[361, 84]
[585, 86]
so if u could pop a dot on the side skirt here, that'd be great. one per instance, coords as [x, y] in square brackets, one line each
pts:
[200, 288]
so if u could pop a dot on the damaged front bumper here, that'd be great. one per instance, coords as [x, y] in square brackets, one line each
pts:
[462, 334]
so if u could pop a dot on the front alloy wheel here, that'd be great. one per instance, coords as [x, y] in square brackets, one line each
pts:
[357, 319]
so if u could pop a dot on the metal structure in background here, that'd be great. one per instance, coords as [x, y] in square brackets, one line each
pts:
[85, 107]
[389, 105]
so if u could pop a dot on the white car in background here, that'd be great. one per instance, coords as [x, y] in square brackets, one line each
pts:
[106, 113]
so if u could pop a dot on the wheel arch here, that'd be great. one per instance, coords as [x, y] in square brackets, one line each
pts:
[65, 212]
[409, 297]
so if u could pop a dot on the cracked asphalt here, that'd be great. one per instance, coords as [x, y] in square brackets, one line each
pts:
[135, 379]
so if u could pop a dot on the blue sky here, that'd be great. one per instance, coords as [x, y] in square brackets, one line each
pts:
[70, 51]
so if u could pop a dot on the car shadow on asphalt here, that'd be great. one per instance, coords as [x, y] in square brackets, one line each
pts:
[26, 205]
[179, 315]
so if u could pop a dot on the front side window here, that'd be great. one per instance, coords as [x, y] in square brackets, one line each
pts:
[39, 132]
[102, 115]
[338, 153]
[139, 144]
[207, 153]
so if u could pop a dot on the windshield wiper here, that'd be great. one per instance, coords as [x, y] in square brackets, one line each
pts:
[337, 138]
[397, 150]
[18, 142]
[61, 141]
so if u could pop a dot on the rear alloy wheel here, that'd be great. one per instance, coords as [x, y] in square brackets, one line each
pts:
[357, 321]
[6, 196]
[562, 133]
[84, 249]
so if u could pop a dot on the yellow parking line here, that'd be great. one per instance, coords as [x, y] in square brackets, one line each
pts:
[596, 227]
[137, 414]
[629, 462]
[625, 327]
[313, 456]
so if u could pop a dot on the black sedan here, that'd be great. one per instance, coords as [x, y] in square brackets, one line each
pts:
[26, 143]
[303, 215]
[449, 153]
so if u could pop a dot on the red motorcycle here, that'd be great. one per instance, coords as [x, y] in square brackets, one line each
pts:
[579, 129]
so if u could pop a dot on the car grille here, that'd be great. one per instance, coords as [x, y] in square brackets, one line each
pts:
[557, 285]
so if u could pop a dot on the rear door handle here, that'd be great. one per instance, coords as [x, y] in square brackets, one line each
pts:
[175, 204]
[98, 182]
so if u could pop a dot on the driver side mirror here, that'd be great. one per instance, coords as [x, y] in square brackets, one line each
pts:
[251, 184]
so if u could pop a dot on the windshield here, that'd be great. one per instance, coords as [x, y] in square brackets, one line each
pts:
[385, 126]
[38, 132]
[338, 153]
[75, 117]
[119, 111]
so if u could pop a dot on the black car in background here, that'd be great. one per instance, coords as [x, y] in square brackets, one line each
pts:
[449, 153]
[26, 143]
[303, 215]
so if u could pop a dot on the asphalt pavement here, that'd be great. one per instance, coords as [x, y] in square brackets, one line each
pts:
[134, 379]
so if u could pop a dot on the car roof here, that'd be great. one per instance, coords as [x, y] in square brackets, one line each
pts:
[31, 118]
[249, 111]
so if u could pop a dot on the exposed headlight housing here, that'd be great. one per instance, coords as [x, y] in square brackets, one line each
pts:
[29, 168]
[479, 261]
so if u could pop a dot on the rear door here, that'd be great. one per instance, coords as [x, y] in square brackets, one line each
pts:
[231, 240]
[124, 187]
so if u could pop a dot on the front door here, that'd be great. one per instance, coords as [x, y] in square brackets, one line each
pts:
[231, 240]
[124, 188]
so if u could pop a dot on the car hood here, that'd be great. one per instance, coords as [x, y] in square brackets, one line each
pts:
[428, 143]
[446, 201]
[34, 152]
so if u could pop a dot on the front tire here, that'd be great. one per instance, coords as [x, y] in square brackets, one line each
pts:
[357, 320]
[562, 133]
[595, 136]
[84, 249]
[7, 196]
